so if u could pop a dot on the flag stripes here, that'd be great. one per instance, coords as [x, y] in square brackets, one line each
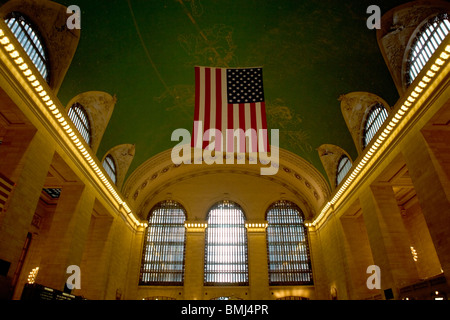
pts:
[229, 125]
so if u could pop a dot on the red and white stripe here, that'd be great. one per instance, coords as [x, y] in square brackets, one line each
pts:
[212, 112]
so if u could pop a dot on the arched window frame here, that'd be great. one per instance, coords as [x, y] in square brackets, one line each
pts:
[31, 41]
[79, 116]
[425, 43]
[375, 119]
[343, 167]
[110, 166]
[218, 246]
[164, 246]
[287, 245]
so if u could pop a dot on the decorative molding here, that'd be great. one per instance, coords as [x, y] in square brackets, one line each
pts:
[144, 204]
[158, 173]
[301, 178]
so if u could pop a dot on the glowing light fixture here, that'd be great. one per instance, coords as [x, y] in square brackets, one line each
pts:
[32, 275]
[381, 139]
[47, 101]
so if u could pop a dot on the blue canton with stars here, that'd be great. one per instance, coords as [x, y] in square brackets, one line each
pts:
[245, 85]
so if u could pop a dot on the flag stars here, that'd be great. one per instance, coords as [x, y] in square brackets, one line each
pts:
[248, 83]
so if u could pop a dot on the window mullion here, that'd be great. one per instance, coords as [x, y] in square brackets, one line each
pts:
[287, 246]
[164, 246]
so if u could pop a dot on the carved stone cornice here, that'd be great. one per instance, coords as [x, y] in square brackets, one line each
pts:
[158, 173]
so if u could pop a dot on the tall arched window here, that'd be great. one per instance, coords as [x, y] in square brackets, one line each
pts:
[375, 119]
[226, 246]
[164, 245]
[344, 166]
[31, 41]
[287, 245]
[110, 167]
[427, 40]
[80, 119]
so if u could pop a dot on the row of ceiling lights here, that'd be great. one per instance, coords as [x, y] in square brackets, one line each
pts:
[43, 93]
[406, 106]
[51, 106]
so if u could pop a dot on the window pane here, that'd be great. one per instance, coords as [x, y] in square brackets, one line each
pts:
[28, 38]
[226, 246]
[344, 166]
[375, 119]
[287, 245]
[110, 167]
[427, 41]
[164, 245]
[80, 119]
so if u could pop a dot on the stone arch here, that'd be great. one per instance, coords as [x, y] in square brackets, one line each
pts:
[123, 156]
[99, 107]
[398, 26]
[297, 179]
[61, 43]
[329, 156]
[355, 107]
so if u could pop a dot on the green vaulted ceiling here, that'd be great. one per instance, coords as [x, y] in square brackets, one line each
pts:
[144, 52]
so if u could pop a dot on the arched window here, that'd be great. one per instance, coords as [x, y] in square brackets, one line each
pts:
[428, 39]
[375, 119]
[110, 167]
[287, 245]
[164, 245]
[80, 119]
[344, 166]
[31, 41]
[226, 246]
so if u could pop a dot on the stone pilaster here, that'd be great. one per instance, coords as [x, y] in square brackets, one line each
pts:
[388, 238]
[257, 260]
[95, 262]
[429, 176]
[194, 260]
[67, 236]
[28, 174]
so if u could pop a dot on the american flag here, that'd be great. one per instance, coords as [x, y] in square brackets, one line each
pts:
[230, 99]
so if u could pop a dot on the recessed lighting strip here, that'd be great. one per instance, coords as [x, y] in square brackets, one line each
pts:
[190, 225]
[257, 225]
[42, 92]
[415, 94]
